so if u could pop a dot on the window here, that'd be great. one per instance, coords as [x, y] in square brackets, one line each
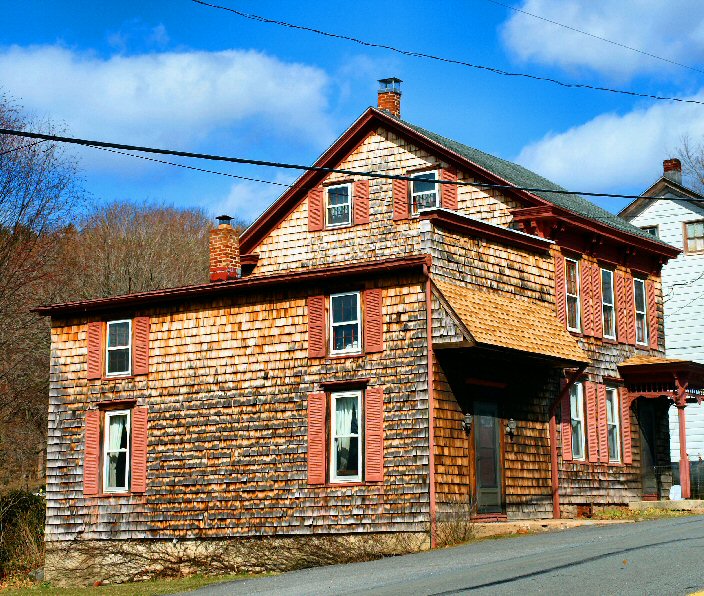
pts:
[612, 424]
[577, 420]
[652, 230]
[338, 210]
[346, 446]
[119, 348]
[694, 236]
[345, 323]
[424, 192]
[641, 319]
[608, 309]
[116, 450]
[572, 291]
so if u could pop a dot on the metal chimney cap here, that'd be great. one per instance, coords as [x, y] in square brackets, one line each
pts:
[392, 84]
[224, 219]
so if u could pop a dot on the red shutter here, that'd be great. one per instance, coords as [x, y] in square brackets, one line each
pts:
[560, 297]
[566, 428]
[399, 190]
[91, 454]
[603, 428]
[652, 314]
[316, 327]
[95, 350]
[630, 309]
[138, 465]
[620, 307]
[374, 434]
[140, 343]
[585, 279]
[316, 209]
[316, 438]
[448, 192]
[626, 425]
[597, 314]
[373, 321]
[592, 435]
[361, 201]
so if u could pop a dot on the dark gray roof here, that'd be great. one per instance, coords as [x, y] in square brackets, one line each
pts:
[520, 176]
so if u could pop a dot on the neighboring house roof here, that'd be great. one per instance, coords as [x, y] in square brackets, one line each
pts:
[663, 187]
[499, 320]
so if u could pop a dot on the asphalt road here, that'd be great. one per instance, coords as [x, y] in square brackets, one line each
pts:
[656, 557]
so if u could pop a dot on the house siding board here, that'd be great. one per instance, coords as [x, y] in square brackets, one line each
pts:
[227, 397]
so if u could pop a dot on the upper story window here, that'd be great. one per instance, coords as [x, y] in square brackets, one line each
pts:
[116, 451]
[577, 420]
[345, 323]
[613, 423]
[572, 293]
[118, 355]
[338, 209]
[652, 230]
[694, 236]
[424, 191]
[641, 314]
[346, 446]
[608, 308]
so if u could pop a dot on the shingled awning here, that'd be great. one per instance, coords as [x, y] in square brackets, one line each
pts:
[498, 320]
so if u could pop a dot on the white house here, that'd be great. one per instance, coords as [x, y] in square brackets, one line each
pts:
[675, 214]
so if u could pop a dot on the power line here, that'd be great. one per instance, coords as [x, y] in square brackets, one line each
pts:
[413, 54]
[27, 146]
[615, 43]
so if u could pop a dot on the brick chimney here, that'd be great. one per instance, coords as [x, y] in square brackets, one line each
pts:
[672, 170]
[389, 96]
[224, 251]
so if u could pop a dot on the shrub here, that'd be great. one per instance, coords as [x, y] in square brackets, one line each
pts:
[21, 532]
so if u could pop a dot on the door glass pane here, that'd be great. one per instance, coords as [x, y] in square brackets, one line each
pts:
[486, 446]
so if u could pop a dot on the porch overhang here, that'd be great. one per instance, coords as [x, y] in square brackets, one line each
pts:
[654, 376]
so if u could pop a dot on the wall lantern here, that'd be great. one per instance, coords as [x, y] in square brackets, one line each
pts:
[467, 423]
[511, 427]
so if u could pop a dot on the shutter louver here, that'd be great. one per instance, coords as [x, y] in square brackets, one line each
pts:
[587, 298]
[626, 425]
[592, 434]
[603, 426]
[630, 301]
[596, 302]
[140, 345]
[91, 454]
[316, 327]
[138, 465]
[620, 307]
[399, 191]
[94, 341]
[361, 202]
[316, 209]
[448, 192]
[560, 296]
[373, 321]
[374, 434]
[652, 314]
[316, 438]
[566, 428]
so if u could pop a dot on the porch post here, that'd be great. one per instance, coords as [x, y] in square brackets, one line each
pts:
[681, 403]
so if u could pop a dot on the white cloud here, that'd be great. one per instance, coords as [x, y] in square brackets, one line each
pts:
[247, 199]
[173, 99]
[673, 30]
[616, 151]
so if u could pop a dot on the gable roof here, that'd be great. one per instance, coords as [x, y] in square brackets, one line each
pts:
[495, 169]
[660, 188]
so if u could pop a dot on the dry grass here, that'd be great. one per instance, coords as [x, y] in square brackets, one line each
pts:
[456, 524]
[625, 513]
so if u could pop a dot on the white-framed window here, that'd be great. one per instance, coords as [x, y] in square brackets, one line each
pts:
[652, 230]
[118, 348]
[346, 437]
[694, 236]
[608, 304]
[424, 191]
[338, 206]
[116, 451]
[345, 323]
[572, 294]
[613, 424]
[577, 420]
[641, 311]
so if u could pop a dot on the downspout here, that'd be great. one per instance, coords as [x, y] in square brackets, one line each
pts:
[431, 404]
[554, 468]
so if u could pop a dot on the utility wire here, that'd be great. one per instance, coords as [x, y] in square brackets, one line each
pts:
[27, 146]
[290, 166]
[413, 54]
[615, 43]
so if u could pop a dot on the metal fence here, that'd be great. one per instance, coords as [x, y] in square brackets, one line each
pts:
[696, 477]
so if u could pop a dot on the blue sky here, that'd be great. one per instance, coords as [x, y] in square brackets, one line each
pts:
[179, 75]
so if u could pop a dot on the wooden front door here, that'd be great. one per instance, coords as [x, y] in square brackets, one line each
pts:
[487, 456]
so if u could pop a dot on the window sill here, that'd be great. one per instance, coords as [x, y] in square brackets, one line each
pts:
[610, 340]
[343, 356]
[350, 484]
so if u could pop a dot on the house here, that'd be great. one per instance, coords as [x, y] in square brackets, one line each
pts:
[414, 328]
[674, 213]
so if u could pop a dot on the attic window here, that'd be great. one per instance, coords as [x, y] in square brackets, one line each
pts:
[338, 211]
[652, 230]
[424, 192]
[694, 236]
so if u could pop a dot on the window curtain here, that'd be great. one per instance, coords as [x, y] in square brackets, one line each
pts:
[347, 423]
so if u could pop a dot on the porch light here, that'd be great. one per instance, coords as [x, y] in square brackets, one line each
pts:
[467, 423]
[511, 427]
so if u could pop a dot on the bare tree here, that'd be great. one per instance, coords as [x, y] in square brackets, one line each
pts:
[691, 155]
